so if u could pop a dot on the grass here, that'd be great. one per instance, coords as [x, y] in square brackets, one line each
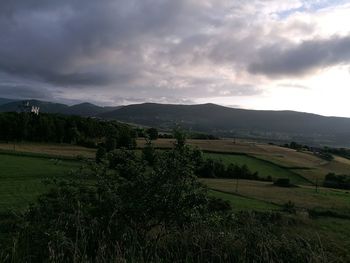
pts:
[264, 168]
[240, 203]
[21, 178]
[64, 150]
[303, 197]
[332, 233]
[304, 164]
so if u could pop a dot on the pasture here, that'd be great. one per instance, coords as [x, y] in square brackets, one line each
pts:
[58, 150]
[303, 163]
[240, 203]
[304, 197]
[264, 168]
[21, 182]
[21, 178]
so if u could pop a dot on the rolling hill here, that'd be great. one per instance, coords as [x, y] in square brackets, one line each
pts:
[5, 101]
[82, 109]
[230, 122]
[272, 126]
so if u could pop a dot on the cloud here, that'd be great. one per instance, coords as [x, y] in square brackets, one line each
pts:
[294, 60]
[157, 50]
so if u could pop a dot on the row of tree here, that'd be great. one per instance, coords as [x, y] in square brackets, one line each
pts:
[333, 180]
[61, 129]
[212, 168]
[323, 153]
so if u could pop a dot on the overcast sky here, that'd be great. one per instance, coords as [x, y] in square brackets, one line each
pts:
[256, 54]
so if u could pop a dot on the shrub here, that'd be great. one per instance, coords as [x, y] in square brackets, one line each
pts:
[289, 207]
[283, 182]
[100, 154]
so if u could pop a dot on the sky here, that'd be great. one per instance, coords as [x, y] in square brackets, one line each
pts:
[257, 54]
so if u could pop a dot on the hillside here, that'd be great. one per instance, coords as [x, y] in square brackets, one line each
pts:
[5, 101]
[272, 126]
[82, 109]
[230, 122]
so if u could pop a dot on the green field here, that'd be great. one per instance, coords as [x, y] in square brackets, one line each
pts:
[264, 168]
[21, 178]
[240, 203]
[303, 197]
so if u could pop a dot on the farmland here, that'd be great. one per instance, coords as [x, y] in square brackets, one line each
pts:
[21, 178]
[264, 168]
[302, 163]
[304, 197]
[58, 150]
[23, 171]
[268, 160]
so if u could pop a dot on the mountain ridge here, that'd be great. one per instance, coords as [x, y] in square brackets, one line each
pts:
[219, 120]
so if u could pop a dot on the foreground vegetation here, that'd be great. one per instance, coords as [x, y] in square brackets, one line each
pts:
[148, 205]
[126, 208]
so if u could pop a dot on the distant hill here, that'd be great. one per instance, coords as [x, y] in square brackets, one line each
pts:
[272, 126]
[45, 106]
[230, 122]
[88, 109]
[83, 109]
[5, 101]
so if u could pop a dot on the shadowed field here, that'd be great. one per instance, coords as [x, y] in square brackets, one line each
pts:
[264, 168]
[304, 197]
[306, 164]
[65, 150]
[21, 178]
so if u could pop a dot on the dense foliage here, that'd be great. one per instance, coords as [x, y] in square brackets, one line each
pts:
[339, 151]
[212, 168]
[323, 153]
[124, 210]
[62, 129]
[337, 181]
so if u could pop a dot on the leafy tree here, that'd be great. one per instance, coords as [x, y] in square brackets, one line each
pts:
[152, 133]
[111, 144]
[149, 153]
[100, 154]
[126, 138]
[59, 128]
[180, 137]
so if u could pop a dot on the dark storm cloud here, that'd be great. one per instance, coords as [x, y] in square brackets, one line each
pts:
[48, 39]
[25, 92]
[279, 60]
[149, 49]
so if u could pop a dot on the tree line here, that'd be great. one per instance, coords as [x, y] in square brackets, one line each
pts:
[340, 181]
[62, 129]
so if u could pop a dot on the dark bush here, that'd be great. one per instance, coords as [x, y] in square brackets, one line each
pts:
[337, 181]
[283, 182]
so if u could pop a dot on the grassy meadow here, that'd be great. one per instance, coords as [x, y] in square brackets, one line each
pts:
[264, 168]
[241, 203]
[57, 150]
[21, 178]
[305, 164]
[304, 197]
[300, 167]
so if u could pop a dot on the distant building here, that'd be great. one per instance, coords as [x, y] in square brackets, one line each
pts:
[26, 107]
[35, 110]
